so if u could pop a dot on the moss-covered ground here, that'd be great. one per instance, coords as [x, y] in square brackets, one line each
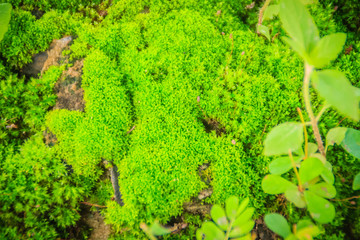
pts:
[178, 94]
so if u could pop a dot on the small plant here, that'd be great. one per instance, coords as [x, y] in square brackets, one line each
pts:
[232, 223]
[314, 177]
[154, 230]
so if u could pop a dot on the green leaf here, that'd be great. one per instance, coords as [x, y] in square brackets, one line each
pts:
[323, 189]
[211, 231]
[321, 210]
[5, 15]
[284, 137]
[238, 231]
[356, 183]
[336, 89]
[310, 168]
[298, 48]
[231, 206]
[327, 49]
[327, 174]
[274, 184]
[351, 142]
[304, 223]
[305, 233]
[298, 23]
[218, 215]
[242, 206]
[335, 135]
[295, 196]
[271, 11]
[158, 230]
[282, 165]
[244, 217]
[277, 224]
[264, 30]
[312, 148]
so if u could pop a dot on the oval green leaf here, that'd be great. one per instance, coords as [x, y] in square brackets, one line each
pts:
[274, 184]
[310, 168]
[296, 197]
[239, 231]
[321, 210]
[327, 174]
[231, 206]
[242, 206]
[271, 11]
[336, 89]
[264, 30]
[244, 217]
[327, 49]
[323, 189]
[211, 232]
[335, 135]
[277, 224]
[218, 215]
[351, 142]
[284, 137]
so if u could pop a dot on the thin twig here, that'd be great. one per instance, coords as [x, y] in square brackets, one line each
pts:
[340, 121]
[301, 189]
[345, 199]
[322, 111]
[93, 205]
[131, 129]
[262, 134]
[261, 13]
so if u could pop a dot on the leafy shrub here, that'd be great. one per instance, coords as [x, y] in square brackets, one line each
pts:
[39, 198]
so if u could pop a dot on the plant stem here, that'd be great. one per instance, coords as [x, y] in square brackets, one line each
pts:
[261, 13]
[313, 120]
[228, 230]
[301, 189]
[324, 108]
[305, 132]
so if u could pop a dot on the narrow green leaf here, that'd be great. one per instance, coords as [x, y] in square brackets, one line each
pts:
[238, 231]
[274, 184]
[295, 196]
[336, 89]
[5, 15]
[298, 23]
[211, 231]
[244, 217]
[218, 215]
[277, 224]
[323, 189]
[321, 210]
[335, 135]
[271, 11]
[351, 142]
[264, 30]
[327, 174]
[310, 168]
[231, 206]
[327, 49]
[356, 183]
[284, 137]
[242, 206]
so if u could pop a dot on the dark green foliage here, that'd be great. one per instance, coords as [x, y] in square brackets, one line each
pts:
[39, 198]
[23, 105]
[27, 36]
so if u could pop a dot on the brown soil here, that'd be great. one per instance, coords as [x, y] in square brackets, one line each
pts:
[101, 231]
[68, 89]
